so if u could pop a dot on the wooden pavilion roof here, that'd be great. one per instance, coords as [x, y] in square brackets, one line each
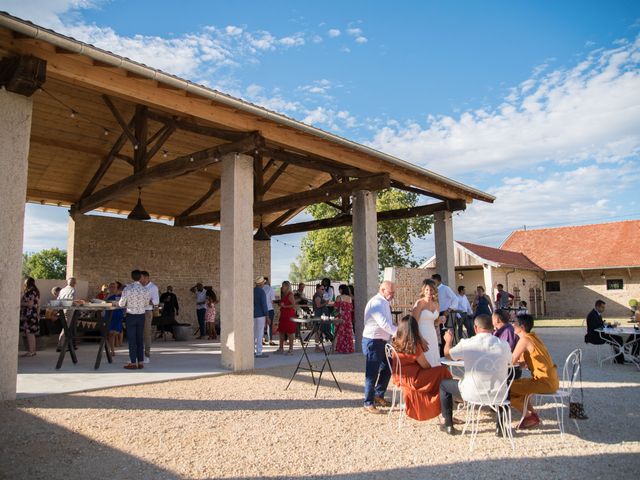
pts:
[95, 106]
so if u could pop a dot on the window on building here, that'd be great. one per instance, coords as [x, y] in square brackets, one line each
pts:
[616, 284]
[552, 286]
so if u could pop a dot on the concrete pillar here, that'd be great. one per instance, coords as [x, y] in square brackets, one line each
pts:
[236, 262]
[15, 131]
[365, 256]
[445, 252]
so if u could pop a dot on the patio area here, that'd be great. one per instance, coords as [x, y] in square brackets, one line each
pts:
[171, 360]
[246, 426]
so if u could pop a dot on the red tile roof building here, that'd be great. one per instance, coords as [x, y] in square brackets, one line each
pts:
[605, 245]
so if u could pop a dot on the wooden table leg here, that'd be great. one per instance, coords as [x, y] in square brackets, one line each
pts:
[68, 339]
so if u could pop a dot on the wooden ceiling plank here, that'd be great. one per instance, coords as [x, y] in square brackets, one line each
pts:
[166, 170]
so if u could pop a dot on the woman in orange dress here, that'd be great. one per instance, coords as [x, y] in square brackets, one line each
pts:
[344, 333]
[287, 312]
[420, 381]
[544, 374]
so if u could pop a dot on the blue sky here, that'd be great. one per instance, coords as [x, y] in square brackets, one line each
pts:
[537, 102]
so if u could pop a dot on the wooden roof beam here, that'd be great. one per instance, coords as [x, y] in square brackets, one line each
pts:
[125, 128]
[314, 163]
[166, 170]
[106, 162]
[328, 191]
[181, 124]
[215, 186]
[344, 220]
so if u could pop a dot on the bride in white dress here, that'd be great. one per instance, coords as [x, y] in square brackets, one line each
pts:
[426, 312]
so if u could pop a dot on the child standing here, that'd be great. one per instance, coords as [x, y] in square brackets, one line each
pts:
[210, 314]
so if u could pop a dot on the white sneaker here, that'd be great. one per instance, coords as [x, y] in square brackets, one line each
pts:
[147, 360]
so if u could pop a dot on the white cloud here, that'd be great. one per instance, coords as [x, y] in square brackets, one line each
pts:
[319, 87]
[316, 39]
[345, 50]
[194, 55]
[591, 111]
[354, 32]
[296, 40]
[329, 118]
[233, 30]
[361, 39]
[45, 227]
[583, 195]
[334, 32]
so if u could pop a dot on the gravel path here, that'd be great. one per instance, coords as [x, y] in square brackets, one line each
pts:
[245, 426]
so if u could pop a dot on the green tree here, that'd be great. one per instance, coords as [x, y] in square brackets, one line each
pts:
[45, 264]
[330, 251]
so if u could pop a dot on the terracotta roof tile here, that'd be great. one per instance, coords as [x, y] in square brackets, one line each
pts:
[500, 256]
[604, 245]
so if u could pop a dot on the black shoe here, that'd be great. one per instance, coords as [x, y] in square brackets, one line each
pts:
[448, 429]
[58, 349]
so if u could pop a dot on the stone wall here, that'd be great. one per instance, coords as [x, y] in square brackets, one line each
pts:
[577, 295]
[102, 249]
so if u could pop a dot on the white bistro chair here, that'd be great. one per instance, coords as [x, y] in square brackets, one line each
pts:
[493, 390]
[570, 373]
[396, 395]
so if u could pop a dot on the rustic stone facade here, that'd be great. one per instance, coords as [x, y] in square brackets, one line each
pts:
[577, 295]
[102, 249]
[579, 291]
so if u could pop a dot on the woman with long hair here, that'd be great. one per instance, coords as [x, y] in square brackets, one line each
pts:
[426, 311]
[344, 332]
[30, 315]
[420, 380]
[286, 326]
[210, 314]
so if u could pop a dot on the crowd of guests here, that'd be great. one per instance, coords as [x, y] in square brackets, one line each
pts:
[422, 338]
[323, 303]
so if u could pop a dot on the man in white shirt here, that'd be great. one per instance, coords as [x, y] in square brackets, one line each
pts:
[146, 282]
[271, 296]
[448, 301]
[135, 298]
[67, 293]
[465, 313]
[486, 365]
[378, 329]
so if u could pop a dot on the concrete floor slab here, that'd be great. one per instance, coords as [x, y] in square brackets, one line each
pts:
[170, 360]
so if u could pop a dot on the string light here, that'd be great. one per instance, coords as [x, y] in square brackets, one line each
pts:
[73, 113]
[165, 153]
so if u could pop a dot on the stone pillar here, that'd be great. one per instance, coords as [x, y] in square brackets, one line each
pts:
[445, 252]
[15, 131]
[365, 256]
[487, 272]
[236, 262]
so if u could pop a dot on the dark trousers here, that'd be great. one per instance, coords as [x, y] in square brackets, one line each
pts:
[200, 312]
[377, 372]
[448, 389]
[269, 325]
[135, 337]
[467, 321]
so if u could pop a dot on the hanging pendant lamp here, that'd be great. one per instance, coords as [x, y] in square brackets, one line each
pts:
[138, 212]
[261, 234]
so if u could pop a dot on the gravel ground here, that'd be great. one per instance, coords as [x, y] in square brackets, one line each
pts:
[246, 426]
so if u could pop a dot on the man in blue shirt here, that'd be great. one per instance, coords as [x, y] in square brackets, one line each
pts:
[260, 312]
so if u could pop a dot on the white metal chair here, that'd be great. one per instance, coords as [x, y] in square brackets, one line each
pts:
[396, 394]
[495, 397]
[570, 373]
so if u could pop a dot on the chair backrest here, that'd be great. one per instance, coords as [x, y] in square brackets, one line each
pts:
[571, 369]
[391, 353]
[488, 377]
